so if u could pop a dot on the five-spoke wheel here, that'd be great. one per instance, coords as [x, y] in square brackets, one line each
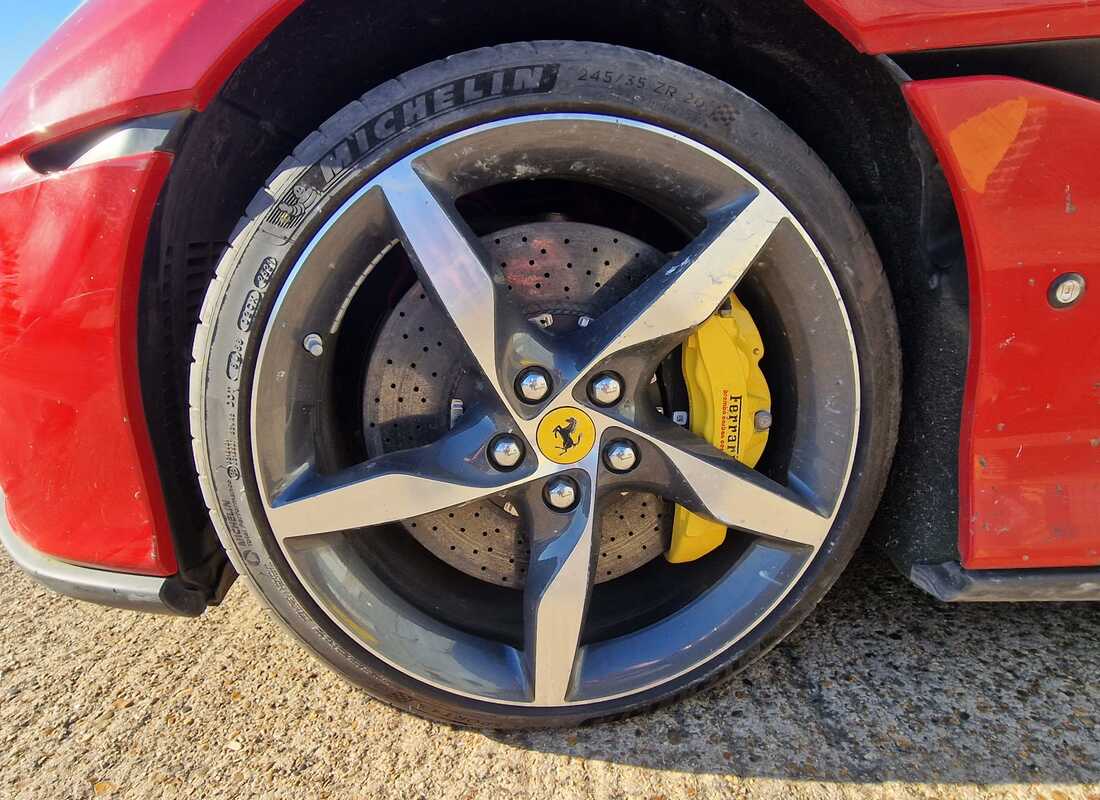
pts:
[457, 410]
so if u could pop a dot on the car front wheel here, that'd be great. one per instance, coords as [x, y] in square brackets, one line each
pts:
[545, 383]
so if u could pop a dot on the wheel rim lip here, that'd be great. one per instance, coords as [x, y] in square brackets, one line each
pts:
[765, 554]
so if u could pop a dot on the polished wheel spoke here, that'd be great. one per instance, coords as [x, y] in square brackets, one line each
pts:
[742, 498]
[736, 495]
[559, 583]
[393, 487]
[683, 294]
[452, 266]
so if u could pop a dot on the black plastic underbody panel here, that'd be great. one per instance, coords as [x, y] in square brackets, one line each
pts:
[953, 584]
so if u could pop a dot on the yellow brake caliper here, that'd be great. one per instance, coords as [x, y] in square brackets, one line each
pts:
[726, 390]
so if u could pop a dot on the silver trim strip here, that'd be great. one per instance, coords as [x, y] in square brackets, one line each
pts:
[140, 136]
[117, 140]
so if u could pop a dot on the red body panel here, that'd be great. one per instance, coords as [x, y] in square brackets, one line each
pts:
[75, 462]
[896, 26]
[1021, 160]
[119, 59]
[75, 457]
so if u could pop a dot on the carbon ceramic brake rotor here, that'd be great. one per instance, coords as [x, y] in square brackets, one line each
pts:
[561, 273]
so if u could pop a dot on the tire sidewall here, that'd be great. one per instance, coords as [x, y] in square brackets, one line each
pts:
[347, 151]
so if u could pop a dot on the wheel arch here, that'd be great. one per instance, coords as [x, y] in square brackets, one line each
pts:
[845, 105]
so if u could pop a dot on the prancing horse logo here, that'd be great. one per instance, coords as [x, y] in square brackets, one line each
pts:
[565, 433]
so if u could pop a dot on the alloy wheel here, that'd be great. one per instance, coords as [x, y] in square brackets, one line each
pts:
[552, 427]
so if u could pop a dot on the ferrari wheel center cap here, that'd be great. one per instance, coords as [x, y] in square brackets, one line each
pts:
[566, 435]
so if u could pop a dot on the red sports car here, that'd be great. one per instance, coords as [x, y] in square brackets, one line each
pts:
[541, 362]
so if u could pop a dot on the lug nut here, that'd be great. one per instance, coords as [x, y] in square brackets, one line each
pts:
[763, 420]
[506, 451]
[314, 345]
[533, 384]
[620, 456]
[606, 389]
[561, 494]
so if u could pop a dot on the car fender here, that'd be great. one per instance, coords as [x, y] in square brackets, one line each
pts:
[112, 60]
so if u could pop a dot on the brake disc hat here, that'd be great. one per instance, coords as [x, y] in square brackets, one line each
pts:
[562, 274]
[262, 401]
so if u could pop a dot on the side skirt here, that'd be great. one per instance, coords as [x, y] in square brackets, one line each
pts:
[951, 583]
[117, 589]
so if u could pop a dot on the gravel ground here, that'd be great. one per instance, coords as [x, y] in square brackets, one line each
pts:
[882, 693]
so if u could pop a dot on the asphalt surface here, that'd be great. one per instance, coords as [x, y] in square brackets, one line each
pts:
[882, 693]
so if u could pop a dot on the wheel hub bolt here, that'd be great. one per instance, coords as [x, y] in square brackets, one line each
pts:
[606, 389]
[533, 384]
[620, 456]
[561, 493]
[314, 345]
[506, 451]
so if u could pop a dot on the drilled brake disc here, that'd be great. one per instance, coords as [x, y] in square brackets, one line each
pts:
[562, 273]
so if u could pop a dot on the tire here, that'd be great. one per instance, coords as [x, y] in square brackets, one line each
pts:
[576, 77]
